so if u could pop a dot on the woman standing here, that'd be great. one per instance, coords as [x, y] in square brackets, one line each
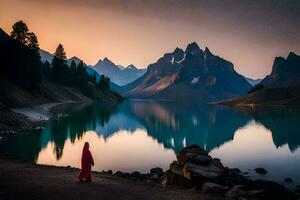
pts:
[87, 162]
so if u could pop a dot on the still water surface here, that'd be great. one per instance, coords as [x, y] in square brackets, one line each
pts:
[140, 135]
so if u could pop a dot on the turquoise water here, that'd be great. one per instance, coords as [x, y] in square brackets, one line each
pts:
[139, 135]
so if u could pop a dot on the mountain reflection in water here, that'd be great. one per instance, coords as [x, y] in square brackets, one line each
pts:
[138, 135]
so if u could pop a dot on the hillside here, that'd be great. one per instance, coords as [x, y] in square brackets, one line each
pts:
[24, 81]
[281, 87]
[192, 74]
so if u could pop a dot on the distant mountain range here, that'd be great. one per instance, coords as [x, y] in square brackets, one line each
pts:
[281, 87]
[117, 73]
[190, 74]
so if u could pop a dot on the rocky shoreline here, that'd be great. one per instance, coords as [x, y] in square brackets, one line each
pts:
[195, 169]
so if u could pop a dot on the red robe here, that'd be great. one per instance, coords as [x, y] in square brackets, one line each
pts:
[86, 164]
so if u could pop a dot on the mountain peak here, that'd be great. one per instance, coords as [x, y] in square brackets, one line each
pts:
[292, 56]
[75, 58]
[99, 61]
[106, 60]
[131, 66]
[177, 50]
[207, 52]
[193, 48]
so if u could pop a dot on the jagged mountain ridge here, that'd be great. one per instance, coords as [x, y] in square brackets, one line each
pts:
[190, 74]
[117, 73]
[280, 87]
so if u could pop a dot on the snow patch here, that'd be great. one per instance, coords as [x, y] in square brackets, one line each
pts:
[172, 60]
[195, 80]
[182, 58]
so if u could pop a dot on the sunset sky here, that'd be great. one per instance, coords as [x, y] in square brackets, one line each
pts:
[249, 33]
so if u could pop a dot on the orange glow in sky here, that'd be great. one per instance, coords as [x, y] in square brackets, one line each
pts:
[135, 32]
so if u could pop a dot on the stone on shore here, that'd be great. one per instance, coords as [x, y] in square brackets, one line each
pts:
[156, 170]
[213, 188]
[194, 168]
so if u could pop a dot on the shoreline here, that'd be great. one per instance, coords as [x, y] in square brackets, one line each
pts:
[191, 184]
[57, 109]
[20, 180]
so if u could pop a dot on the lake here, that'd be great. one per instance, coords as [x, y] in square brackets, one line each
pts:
[140, 135]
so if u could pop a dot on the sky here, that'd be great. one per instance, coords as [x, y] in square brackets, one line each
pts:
[249, 33]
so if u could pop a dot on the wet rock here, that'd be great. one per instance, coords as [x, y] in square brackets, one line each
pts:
[261, 170]
[156, 170]
[210, 187]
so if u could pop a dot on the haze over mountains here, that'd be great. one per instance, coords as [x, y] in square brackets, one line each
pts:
[117, 73]
[198, 75]
[190, 74]
[281, 87]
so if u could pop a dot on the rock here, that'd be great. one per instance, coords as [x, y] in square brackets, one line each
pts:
[191, 170]
[289, 180]
[156, 170]
[135, 173]
[255, 193]
[210, 187]
[193, 158]
[174, 168]
[154, 177]
[235, 194]
[233, 170]
[164, 180]
[109, 172]
[261, 170]
[194, 149]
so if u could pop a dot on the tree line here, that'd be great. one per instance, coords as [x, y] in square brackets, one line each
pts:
[23, 65]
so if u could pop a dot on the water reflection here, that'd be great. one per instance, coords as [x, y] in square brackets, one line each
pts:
[123, 151]
[138, 135]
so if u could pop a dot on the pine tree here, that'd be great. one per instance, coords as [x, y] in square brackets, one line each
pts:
[20, 32]
[32, 42]
[59, 65]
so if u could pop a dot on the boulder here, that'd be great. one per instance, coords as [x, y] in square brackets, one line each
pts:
[156, 170]
[193, 158]
[210, 187]
[235, 194]
[192, 170]
[176, 169]
[194, 149]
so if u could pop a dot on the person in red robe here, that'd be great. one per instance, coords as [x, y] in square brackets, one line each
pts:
[87, 162]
